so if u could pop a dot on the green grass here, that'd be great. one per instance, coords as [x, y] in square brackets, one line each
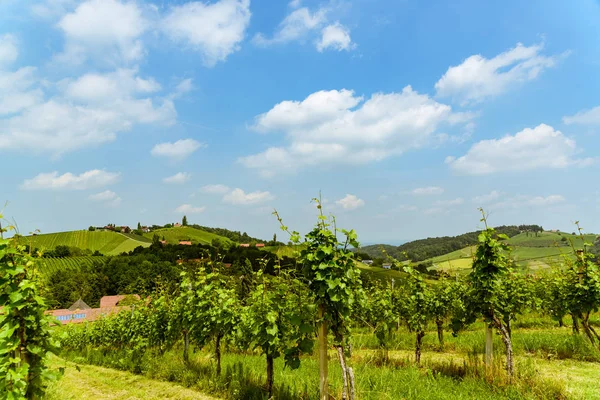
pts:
[197, 236]
[88, 382]
[106, 242]
[50, 265]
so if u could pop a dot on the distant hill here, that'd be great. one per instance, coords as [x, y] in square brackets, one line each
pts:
[176, 234]
[106, 242]
[529, 250]
[423, 249]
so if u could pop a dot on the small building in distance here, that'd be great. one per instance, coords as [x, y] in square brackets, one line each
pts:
[185, 242]
[176, 225]
[244, 244]
[386, 266]
[145, 229]
[368, 262]
[260, 245]
[163, 241]
[80, 312]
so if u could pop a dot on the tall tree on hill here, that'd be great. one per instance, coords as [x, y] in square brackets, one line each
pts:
[139, 227]
[184, 221]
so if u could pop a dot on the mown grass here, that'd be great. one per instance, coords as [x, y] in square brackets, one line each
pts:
[197, 236]
[542, 351]
[244, 375]
[106, 242]
[87, 382]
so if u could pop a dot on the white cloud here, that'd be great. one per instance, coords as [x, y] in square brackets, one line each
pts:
[302, 24]
[404, 207]
[350, 202]
[213, 29]
[449, 203]
[524, 201]
[238, 196]
[585, 117]
[123, 84]
[295, 26]
[542, 147]
[189, 209]
[108, 196]
[214, 189]
[178, 150]
[294, 3]
[183, 87]
[178, 178]
[429, 190]
[335, 36]
[16, 87]
[51, 9]
[86, 111]
[106, 30]
[478, 78]
[338, 127]
[8, 49]
[487, 198]
[68, 181]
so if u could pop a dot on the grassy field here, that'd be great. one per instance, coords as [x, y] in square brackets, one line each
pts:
[87, 382]
[551, 364]
[530, 251]
[197, 236]
[106, 242]
[49, 265]
[284, 251]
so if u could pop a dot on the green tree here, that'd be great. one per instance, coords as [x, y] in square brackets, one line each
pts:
[184, 221]
[139, 226]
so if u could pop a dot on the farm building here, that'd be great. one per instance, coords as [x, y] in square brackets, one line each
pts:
[260, 245]
[80, 312]
[176, 225]
[387, 266]
[244, 244]
[185, 242]
[368, 262]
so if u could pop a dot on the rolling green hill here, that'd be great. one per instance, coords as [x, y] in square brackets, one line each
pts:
[106, 242]
[531, 251]
[50, 265]
[197, 236]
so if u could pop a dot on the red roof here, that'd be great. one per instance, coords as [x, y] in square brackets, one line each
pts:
[260, 245]
[113, 301]
[244, 245]
[185, 242]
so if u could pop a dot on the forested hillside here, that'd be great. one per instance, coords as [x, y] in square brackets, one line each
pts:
[423, 249]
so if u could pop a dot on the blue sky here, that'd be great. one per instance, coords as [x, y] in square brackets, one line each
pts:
[406, 116]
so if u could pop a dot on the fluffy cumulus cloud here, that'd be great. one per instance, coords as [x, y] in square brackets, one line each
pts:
[336, 37]
[178, 179]
[108, 197]
[86, 111]
[215, 30]
[103, 30]
[541, 147]
[215, 189]
[429, 190]
[339, 127]
[189, 209]
[302, 24]
[8, 49]
[585, 117]
[68, 181]
[239, 197]
[350, 202]
[17, 87]
[478, 78]
[178, 150]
